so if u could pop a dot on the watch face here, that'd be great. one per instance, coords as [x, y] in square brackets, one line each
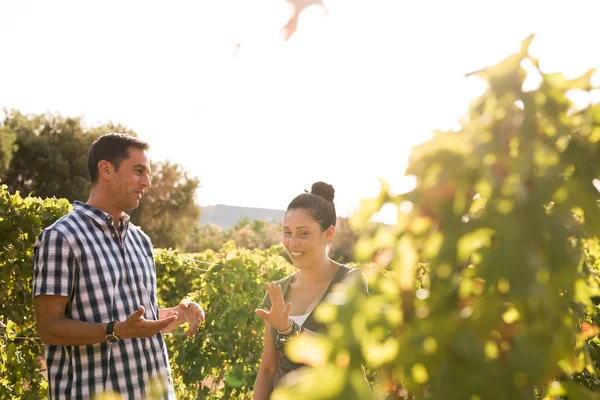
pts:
[112, 338]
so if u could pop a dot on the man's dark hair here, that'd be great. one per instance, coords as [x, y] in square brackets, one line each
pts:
[114, 148]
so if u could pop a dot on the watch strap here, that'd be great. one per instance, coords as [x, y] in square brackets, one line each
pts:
[110, 333]
[110, 328]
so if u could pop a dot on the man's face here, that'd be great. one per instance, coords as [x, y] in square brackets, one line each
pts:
[132, 178]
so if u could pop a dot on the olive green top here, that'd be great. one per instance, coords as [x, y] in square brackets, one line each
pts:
[285, 364]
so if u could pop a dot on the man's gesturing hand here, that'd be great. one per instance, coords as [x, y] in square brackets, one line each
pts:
[136, 326]
[193, 313]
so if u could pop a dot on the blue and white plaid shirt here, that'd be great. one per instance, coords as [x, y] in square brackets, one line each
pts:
[106, 274]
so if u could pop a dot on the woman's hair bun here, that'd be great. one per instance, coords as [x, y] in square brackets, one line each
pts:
[324, 190]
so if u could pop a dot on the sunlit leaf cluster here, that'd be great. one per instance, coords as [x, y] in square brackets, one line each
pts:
[21, 221]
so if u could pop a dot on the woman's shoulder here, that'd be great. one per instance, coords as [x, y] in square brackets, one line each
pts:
[346, 271]
[352, 275]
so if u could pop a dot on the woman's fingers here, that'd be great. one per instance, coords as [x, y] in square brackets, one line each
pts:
[280, 311]
[271, 291]
[262, 313]
[276, 297]
[280, 296]
[286, 311]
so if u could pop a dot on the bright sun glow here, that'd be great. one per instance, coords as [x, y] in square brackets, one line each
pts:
[212, 85]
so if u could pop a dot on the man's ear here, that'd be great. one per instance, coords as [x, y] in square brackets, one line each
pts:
[105, 170]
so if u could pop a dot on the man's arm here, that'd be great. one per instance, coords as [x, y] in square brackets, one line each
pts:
[55, 329]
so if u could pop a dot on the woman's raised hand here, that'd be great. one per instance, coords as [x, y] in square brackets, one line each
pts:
[279, 314]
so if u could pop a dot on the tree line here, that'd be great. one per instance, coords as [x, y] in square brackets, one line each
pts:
[45, 155]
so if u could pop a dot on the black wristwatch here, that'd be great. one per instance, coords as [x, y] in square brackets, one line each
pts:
[110, 333]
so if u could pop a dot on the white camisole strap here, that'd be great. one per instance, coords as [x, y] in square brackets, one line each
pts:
[299, 319]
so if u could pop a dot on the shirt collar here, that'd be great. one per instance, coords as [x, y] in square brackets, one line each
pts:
[97, 215]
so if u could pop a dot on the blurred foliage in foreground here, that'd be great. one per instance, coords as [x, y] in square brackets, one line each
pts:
[487, 286]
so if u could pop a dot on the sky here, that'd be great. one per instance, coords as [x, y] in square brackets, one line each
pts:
[213, 86]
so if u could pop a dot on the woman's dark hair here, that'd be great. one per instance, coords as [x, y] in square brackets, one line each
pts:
[114, 148]
[318, 203]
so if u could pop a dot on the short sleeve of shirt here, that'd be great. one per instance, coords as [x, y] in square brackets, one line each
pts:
[54, 265]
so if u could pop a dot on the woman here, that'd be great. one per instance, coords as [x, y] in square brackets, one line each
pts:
[308, 228]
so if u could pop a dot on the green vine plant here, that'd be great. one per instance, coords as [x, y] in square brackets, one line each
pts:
[487, 286]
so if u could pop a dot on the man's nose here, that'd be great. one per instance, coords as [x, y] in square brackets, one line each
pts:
[145, 182]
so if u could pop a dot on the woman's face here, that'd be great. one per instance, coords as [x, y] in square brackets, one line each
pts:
[303, 239]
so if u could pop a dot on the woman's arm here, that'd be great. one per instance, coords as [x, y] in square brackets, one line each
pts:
[268, 368]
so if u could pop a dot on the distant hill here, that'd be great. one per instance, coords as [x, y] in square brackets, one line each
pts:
[226, 216]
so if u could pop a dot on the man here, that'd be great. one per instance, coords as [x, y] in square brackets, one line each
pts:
[95, 287]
